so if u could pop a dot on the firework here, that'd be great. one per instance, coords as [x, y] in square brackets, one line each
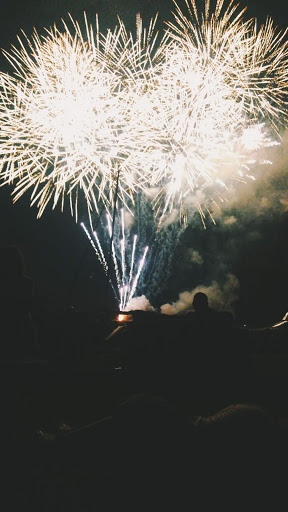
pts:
[68, 115]
[113, 115]
[220, 80]
[124, 278]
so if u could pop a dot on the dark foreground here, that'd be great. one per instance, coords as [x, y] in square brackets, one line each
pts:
[135, 422]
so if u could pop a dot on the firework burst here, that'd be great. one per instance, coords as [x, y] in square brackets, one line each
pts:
[68, 115]
[221, 78]
[111, 115]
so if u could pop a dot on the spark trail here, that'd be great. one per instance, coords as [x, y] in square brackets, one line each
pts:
[126, 272]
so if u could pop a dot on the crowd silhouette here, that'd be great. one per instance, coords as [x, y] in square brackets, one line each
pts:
[152, 451]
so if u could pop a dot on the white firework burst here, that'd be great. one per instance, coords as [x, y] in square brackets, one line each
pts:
[109, 115]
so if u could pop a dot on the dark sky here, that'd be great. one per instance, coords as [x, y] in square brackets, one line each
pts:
[18, 15]
[254, 249]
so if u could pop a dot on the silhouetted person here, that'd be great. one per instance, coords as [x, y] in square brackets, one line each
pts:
[201, 311]
[208, 359]
[16, 294]
[200, 303]
[206, 316]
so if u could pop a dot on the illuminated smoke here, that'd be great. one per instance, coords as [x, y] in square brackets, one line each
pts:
[220, 297]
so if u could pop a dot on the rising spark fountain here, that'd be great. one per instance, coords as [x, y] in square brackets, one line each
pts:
[126, 271]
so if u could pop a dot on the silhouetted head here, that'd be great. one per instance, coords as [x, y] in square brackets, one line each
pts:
[200, 301]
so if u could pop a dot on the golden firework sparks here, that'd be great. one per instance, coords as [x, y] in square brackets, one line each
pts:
[115, 114]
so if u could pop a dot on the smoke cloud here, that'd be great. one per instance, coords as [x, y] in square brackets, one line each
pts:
[139, 303]
[220, 297]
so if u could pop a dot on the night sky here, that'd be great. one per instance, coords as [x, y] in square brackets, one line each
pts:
[244, 256]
